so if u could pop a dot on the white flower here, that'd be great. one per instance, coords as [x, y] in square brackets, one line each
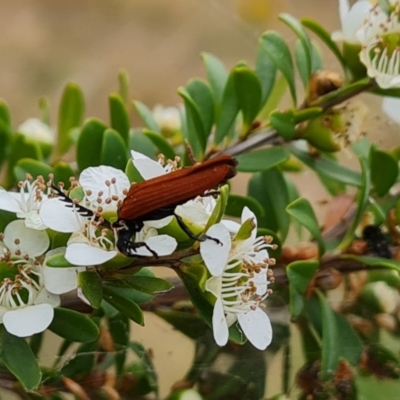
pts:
[27, 202]
[239, 279]
[26, 306]
[351, 19]
[379, 36]
[167, 118]
[149, 168]
[38, 130]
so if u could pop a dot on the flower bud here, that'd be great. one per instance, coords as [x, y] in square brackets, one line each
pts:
[37, 130]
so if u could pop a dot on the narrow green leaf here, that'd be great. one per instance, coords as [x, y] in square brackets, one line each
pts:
[362, 202]
[379, 161]
[201, 94]
[229, 110]
[261, 160]
[161, 143]
[249, 93]
[73, 326]
[276, 48]
[217, 75]
[302, 211]
[35, 168]
[91, 137]
[119, 327]
[327, 167]
[82, 364]
[113, 151]
[58, 261]
[305, 42]
[330, 333]
[70, 115]
[123, 80]
[21, 147]
[375, 262]
[302, 63]
[146, 116]
[196, 130]
[92, 288]
[119, 116]
[270, 190]
[5, 114]
[284, 123]
[266, 72]
[236, 204]
[124, 305]
[19, 359]
[300, 274]
[325, 36]
[141, 143]
[44, 107]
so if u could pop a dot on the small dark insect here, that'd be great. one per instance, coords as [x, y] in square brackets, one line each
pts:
[158, 197]
[376, 241]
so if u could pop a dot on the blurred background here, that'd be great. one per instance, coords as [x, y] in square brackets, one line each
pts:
[45, 44]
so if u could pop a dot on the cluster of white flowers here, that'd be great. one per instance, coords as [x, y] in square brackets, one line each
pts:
[236, 259]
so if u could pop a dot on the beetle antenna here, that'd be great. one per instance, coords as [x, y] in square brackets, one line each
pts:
[190, 153]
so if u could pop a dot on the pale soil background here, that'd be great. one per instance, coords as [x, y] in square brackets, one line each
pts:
[45, 44]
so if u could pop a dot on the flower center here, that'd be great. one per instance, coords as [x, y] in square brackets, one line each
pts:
[21, 283]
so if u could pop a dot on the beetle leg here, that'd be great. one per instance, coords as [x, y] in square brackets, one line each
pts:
[127, 247]
[186, 229]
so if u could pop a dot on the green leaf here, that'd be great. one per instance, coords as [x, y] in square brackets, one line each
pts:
[248, 92]
[146, 116]
[236, 204]
[124, 305]
[123, 80]
[187, 323]
[161, 143]
[113, 150]
[362, 202]
[302, 63]
[330, 333]
[149, 284]
[304, 40]
[70, 115]
[325, 36]
[19, 359]
[5, 218]
[302, 211]
[261, 160]
[35, 168]
[300, 274]
[196, 132]
[62, 173]
[58, 261]
[277, 50]
[327, 167]
[73, 326]
[82, 364]
[229, 110]
[141, 143]
[201, 94]
[91, 137]
[216, 74]
[119, 327]
[119, 116]
[5, 114]
[266, 72]
[375, 262]
[92, 288]
[379, 161]
[21, 147]
[270, 190]
[284, 123]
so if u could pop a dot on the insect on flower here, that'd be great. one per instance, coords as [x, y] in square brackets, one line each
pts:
[158, 197]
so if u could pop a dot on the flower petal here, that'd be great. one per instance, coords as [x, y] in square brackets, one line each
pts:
[219, 324]
[257, 328]
[93, 179]
[213, 285]
[56, 215]
[9, 202]
[84, 254]
[33, 221]
[147, 167]
[27, 321]
[31, 242]
[215, 255]
[163, 245]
